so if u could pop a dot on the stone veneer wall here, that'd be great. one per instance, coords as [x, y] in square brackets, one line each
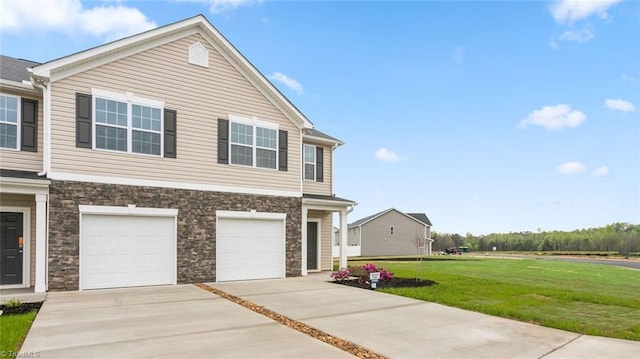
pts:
[196, 225]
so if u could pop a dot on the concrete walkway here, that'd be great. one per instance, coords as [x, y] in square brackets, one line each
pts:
[400, 327]
[161, 322]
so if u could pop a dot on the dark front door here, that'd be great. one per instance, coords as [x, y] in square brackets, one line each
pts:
[312, 245]
[11, 244]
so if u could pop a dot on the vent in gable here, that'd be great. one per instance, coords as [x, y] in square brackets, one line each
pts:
[198, 55]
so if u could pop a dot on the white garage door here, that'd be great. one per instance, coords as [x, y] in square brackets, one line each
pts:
[127, 251]
[250, 249]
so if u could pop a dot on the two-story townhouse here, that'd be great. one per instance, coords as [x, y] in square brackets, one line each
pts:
[165, 157]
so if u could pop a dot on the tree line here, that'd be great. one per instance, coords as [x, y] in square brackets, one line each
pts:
[623, 238]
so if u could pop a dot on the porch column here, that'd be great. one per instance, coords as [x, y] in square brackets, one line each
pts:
[343, 239]
[41, 243]
[305, 212]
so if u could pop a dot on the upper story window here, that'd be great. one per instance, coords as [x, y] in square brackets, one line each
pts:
[9, 126]
[309, 162]
[127, 123]
[253, 143]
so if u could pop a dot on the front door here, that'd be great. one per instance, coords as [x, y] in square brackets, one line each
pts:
[11, 245]
[312, 245]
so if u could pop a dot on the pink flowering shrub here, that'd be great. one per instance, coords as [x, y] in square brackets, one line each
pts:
[341, 275]
[361, 272]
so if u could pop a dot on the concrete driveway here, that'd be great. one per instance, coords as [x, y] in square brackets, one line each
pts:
[161, 322]
[172, 321]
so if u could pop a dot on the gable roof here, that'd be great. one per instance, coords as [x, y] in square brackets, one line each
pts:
[12, 69]
[85, 60]
[420, 217]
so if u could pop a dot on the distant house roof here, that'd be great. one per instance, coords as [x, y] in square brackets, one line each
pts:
[13, 69]
[421, 217]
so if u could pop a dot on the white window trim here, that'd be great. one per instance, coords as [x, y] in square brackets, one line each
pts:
[130, 99]
[304, 163]
[18, 123]
[254, 122]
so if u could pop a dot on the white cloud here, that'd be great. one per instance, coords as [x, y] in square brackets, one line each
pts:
[571, 168]
[602, 171]
[620, 105]
[287, 81]
[568, 11]
[628, 78]
[583, 35]
[222, 6]
[458, 55]
[554, 117]
[70, 16]
[384, 154]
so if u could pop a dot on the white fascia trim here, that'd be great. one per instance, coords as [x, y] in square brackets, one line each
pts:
[316, 203]
[61, 176]
[63, 68]
[130, 210]
[323, 140]
[253, 121]
[126, 97]
[251, 215]
[19, 86]
[24, 186]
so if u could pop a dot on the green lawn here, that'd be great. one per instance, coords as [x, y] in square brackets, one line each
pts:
[584, 298]
[13, 330]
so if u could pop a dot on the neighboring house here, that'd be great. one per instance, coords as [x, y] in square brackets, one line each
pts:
[161, 158]
[353, 245]
[392, 232]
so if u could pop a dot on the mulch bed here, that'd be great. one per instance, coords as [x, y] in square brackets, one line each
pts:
[21, 309]
[342, 344]
[389, 283]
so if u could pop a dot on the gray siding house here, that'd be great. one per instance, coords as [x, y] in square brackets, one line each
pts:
[392, 232]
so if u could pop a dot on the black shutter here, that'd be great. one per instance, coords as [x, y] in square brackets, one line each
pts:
[283, 144]
[223, 141]
[170, 117]
[29, 126]
[319, 164]
[83, 120]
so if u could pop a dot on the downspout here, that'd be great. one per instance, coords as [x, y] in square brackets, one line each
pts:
[45, 85]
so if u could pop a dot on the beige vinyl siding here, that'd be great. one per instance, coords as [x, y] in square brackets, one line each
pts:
[20, 200]
[199, 95]
[23, 160]
[325, 237]
[326, 187]
[377, 239]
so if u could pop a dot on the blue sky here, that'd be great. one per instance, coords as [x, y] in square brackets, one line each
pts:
[487, 116]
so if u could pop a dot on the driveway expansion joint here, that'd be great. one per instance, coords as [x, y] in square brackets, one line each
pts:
[317, 334]
[560, 347]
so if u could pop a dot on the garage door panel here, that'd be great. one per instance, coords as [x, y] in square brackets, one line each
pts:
[250, 249]
[124, 251]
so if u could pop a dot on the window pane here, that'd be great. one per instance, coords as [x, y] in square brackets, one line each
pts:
[241, 133]
[241, 155]
[8, 109]
[265, 158]
[111, 138]
[145, 142]
[145, 118]
[309, 154]
[111, 112]
[309, 172]
[8, 136]
[266, 137]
